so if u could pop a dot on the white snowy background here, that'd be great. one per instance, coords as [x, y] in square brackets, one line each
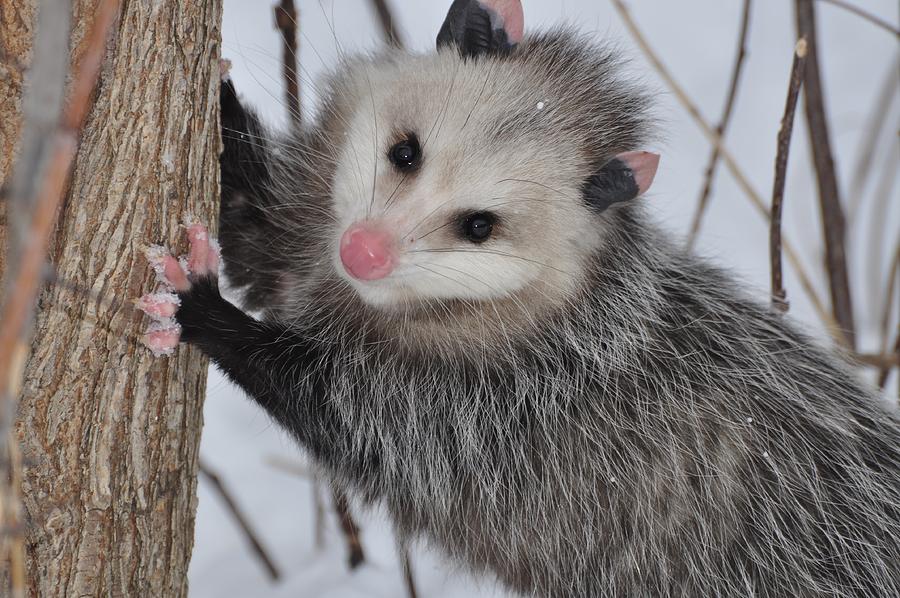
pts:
[696, 39]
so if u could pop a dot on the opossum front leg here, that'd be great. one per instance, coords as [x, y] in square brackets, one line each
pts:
[281, 371]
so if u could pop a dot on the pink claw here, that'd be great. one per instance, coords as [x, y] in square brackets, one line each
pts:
[163, 341]
[174, 274]
[198, 258]
[159, 305]
[204, 253]
[168, 271]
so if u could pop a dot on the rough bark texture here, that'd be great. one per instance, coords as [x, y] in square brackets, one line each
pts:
[109, 434]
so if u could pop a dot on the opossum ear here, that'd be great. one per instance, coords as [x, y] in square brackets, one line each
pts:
[623, 178]
[483, 26]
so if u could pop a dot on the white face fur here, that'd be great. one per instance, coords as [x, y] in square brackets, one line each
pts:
[489, 145]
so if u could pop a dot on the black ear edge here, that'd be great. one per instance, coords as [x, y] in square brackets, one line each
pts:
[613, 183]
[469, 27]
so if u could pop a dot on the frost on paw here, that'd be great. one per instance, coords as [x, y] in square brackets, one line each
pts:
[177, 277]
[159, 305]
[224, 69]
[156, 256]
[163, 337]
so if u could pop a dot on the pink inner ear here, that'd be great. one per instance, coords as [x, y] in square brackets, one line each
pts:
[510, 11]
[643, 165]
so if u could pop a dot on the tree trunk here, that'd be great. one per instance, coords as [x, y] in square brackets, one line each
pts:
[109, 434]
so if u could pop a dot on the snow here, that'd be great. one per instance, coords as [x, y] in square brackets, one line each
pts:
[696, 39]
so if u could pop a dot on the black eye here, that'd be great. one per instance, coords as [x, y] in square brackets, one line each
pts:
[406, 154]
[478, 227]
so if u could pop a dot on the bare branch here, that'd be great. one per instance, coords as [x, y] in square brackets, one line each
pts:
[318, 513]
[355, 554]
[387, 22]
[736, 71]
[408, 578]
[829, 197]
[779, 295]
[289, 466]
[735, 169]
[240, 519]
[889, 365]
[875, 125]
[878, 22]
[893, 278]
[286, 22]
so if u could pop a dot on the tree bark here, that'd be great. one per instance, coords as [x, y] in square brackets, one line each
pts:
[109, 434]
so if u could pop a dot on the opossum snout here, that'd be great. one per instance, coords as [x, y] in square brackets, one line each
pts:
[367, 252]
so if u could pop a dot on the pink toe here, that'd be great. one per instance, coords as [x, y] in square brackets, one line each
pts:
[159, 305]
[174, 274]
[199, 254]
[163, 342]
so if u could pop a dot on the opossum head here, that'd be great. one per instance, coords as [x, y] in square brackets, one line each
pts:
[489, 170]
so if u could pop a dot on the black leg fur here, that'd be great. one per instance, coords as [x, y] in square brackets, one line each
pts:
[277, 368]
[243, 229]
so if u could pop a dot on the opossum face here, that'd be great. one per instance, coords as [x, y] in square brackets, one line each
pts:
[472, 174]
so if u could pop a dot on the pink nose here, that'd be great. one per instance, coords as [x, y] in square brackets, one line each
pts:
[367, 252]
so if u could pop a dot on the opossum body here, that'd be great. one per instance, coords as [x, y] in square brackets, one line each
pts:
[467, 318]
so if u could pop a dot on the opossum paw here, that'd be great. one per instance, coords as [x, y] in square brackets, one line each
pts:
[178, 277]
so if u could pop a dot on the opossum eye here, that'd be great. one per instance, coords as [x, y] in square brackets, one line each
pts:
[477, 227]
[406, 154]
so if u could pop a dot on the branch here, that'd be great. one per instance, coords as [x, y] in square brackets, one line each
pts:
[239, 518]
[386, 20]
[779, 295]
[829, 197]
[875, 126]
[736, 171]
[893, 276]
[286, 22]
[888, 364]
[406, 564]
[703, 202]
[355, 554]
[878, 22]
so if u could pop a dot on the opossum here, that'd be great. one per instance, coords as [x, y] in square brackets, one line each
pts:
[468, 318]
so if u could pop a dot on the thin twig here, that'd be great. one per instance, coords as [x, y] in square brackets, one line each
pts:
[888, 366]
[409, 579]
[878, 223]
[388, 24]
[737, 69]
[779, 295]
[318, 513]
[893, 277]
[289, 466]
[286, 22]
[355, 554]
[875, 126]
[834, 226]
[240, 519]
[877, 360]
[743, 182]
[877, 21]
